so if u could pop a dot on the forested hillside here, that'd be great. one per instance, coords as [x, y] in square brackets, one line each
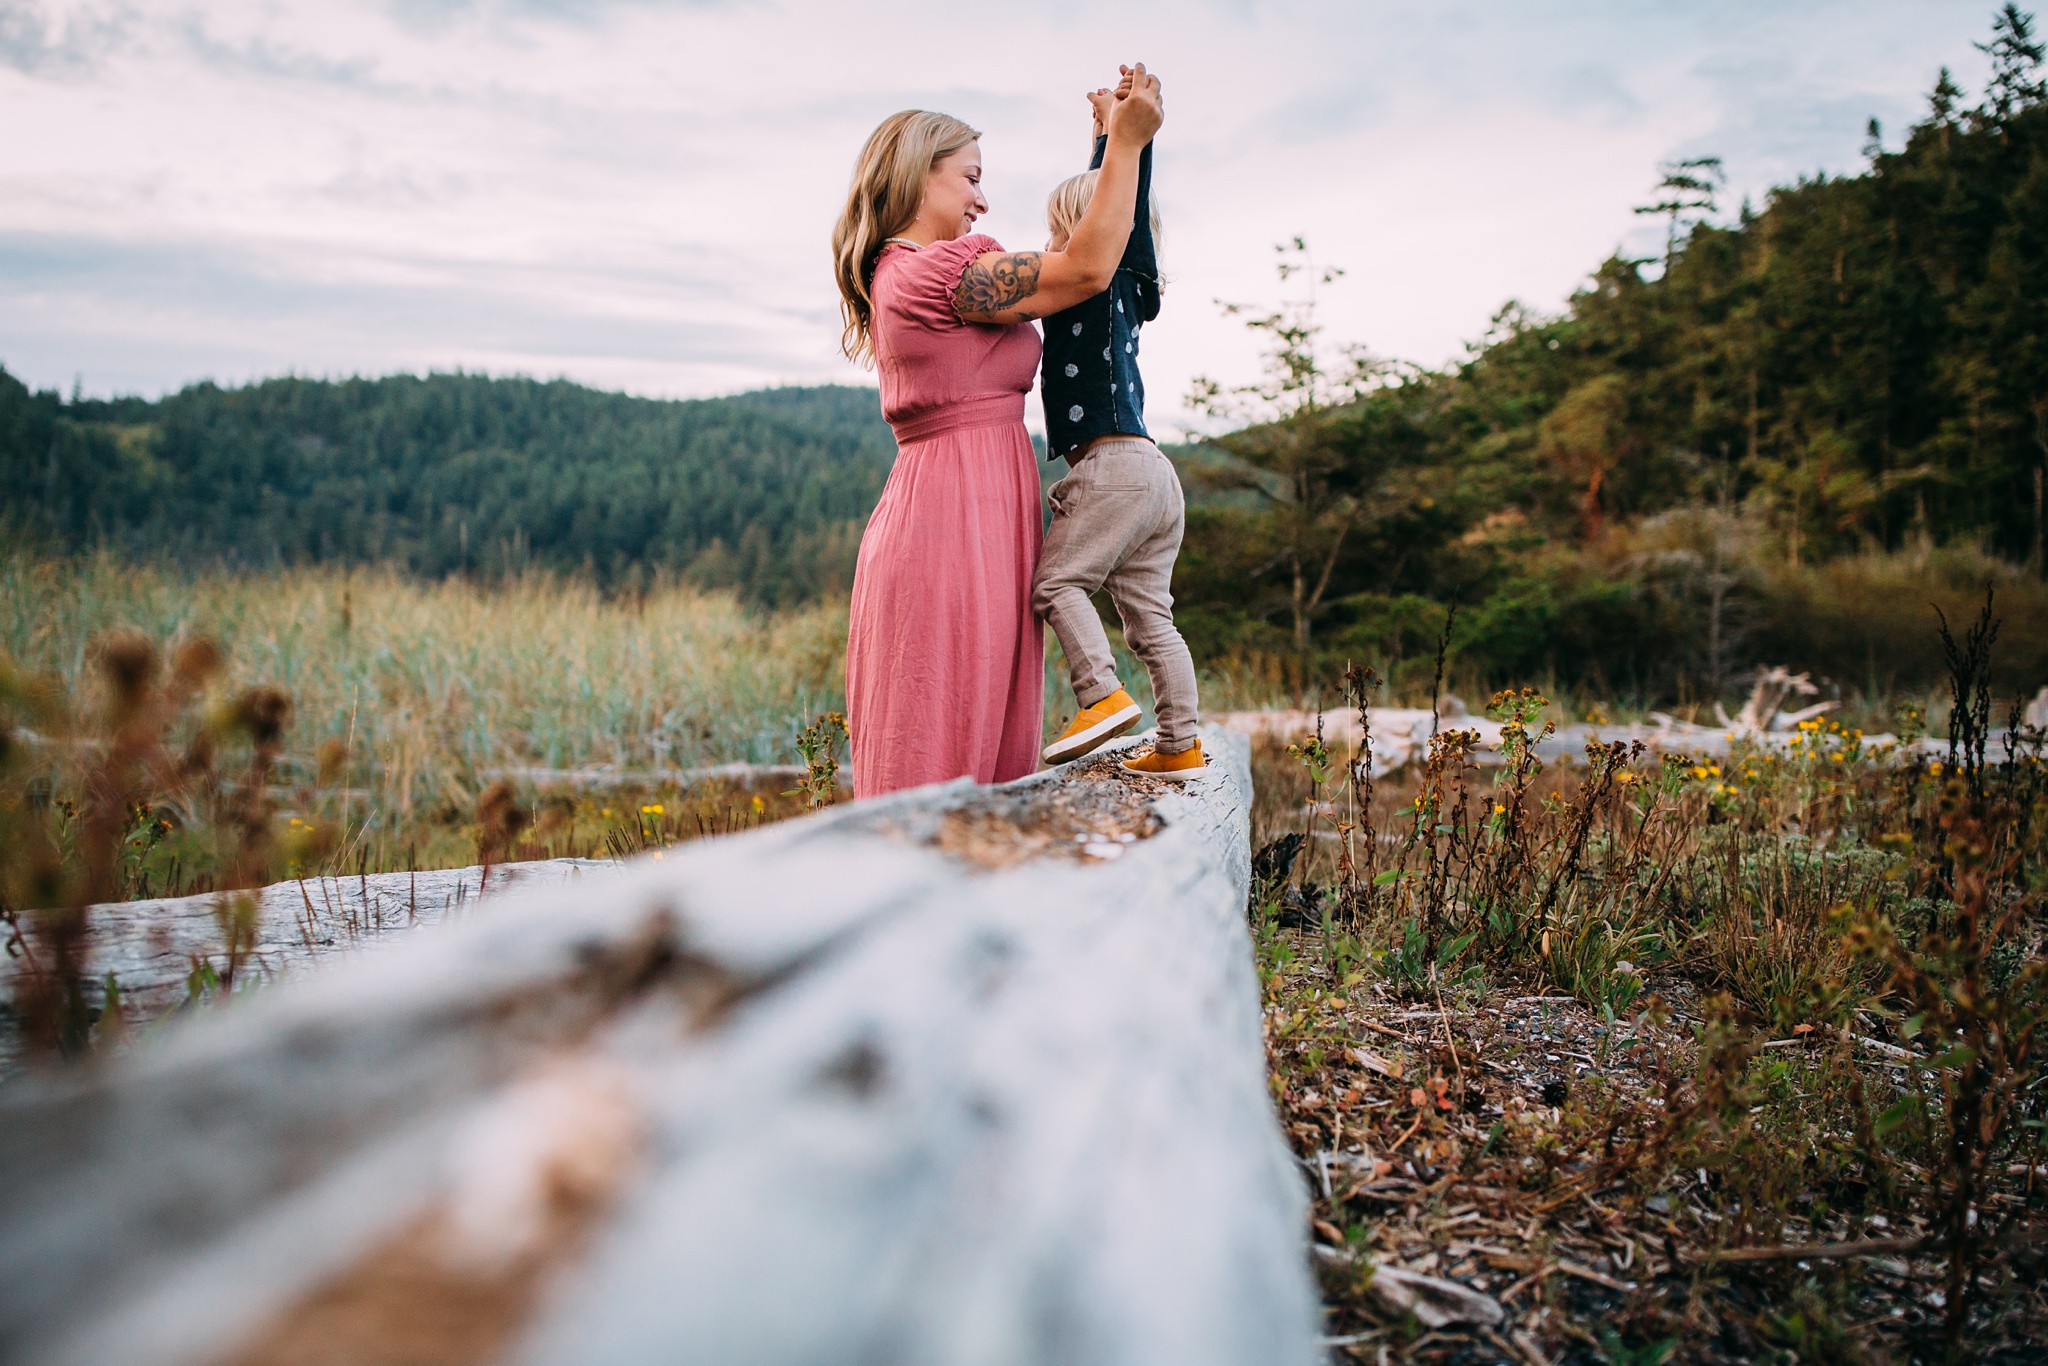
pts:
[1778, 440]
[456, 473]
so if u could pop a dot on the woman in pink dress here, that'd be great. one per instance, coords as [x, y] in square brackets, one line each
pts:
[945, 663]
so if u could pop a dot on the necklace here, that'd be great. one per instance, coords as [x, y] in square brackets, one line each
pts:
[904, 240]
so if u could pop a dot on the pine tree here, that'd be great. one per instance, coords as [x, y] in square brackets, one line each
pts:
[2015, 62]
[1689, 189]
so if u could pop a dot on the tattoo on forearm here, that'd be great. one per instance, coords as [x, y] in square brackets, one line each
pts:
[994, 284]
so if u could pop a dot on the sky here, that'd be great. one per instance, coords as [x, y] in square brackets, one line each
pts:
[638, 194]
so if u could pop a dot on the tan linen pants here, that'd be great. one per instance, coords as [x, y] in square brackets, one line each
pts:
[1116, 523]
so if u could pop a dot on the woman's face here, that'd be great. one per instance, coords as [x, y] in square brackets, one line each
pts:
[952, 196]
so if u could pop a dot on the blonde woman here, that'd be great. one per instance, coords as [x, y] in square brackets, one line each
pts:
[944, 659]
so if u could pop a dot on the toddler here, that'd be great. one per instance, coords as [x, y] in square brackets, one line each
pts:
[1117, 516]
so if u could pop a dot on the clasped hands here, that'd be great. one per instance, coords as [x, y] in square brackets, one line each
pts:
[1133, 111]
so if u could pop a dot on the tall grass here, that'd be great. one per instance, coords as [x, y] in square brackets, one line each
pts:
[434, 685]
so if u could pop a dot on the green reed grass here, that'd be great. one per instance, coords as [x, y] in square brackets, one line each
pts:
[434, 685]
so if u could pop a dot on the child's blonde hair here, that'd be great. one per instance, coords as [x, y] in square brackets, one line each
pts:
[1069, 200]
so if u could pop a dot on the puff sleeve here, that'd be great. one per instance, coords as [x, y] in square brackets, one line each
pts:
[930, 276]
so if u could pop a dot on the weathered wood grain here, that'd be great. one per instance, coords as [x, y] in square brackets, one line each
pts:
[151, 947]
[936, 1078]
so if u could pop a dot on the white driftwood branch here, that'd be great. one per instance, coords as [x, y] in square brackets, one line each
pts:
[1401, 736]
[823, 1092]
[151, 947]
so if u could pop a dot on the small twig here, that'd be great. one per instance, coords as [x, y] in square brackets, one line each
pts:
[1587, 1273]
[1888, 1049]
[1516, 1349]
[1574, 1193]
[1540, 1273]
[1811, 1252]
[16, 939]
[1451, 1041]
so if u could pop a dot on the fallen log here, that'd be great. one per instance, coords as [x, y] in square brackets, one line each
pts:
[151, 948]
[1401, 737]
[960, 1075]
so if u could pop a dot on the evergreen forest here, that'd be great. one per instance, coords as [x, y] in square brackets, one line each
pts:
[459, 474]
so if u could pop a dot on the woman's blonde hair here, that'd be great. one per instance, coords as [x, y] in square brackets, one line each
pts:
[1069, 200]
[887, 191]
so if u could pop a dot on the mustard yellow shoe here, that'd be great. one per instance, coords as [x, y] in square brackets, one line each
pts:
[1106, 720]
[1175, 768]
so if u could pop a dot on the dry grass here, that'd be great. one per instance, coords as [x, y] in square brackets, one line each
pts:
[433, 687]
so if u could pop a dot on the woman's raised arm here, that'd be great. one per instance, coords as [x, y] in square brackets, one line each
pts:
[1018, 286]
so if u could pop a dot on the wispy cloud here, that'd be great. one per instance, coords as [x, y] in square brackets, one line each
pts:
[67, 46]
[265, 58]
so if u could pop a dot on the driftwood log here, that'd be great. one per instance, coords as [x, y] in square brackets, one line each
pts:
[964, 1075]
[151, 948]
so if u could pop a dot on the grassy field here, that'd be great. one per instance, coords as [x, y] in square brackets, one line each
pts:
[437, 682]
[431, 689]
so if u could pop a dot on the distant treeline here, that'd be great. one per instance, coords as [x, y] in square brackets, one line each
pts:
[458, 473]
[1637, 495]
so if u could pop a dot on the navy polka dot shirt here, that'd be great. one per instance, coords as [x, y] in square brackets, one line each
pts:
[1090, 381]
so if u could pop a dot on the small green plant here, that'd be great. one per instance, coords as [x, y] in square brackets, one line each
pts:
[818, 743]
[1313, 754]
[1416, 969]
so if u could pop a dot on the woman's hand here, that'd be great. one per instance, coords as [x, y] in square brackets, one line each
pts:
[1103, 100]
[1019, 286]
[1138, 110]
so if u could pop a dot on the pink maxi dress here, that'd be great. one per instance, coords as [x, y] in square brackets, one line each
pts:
[945, 662]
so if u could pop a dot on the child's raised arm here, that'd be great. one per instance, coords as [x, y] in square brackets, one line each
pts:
[1014, 287]
[1140, 253]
